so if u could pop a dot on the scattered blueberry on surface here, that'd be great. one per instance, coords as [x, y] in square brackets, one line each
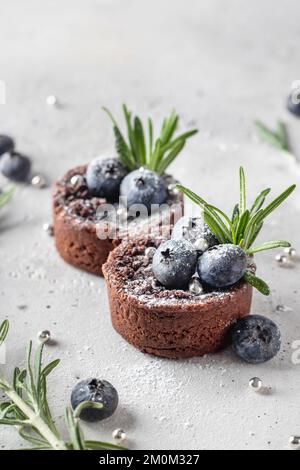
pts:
[6, 144]
[256, 339]
[145, 187]
[15, 166]
[222, 266]
[95, 391]
[196, 231]
[293, 106]
[174, 263]
[104, 176]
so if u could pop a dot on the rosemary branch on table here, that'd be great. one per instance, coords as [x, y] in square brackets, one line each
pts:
[27, 408]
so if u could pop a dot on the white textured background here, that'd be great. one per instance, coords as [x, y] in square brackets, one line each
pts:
[221, 65]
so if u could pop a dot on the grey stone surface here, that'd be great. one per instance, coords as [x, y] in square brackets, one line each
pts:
[222, 65]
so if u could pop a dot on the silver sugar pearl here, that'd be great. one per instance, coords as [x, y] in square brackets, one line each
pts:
[294, 442]
[48, 228]
[51, 100]
[173, 190]
[290, 251]
[76, 179]
[44, 336]
[255, 384]
[201, 245]
[281, 259]
[150, 251]
[38, 181]
[119, 435]
[195, 286]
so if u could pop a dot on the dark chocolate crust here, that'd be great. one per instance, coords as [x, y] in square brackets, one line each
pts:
[75, 223]
[168, 323]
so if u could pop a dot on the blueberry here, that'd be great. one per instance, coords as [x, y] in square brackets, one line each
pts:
[196, 231]
[222, 265]
[15, 166]
[293, 106]
[144, 187]
[104, 176]
[256, 339]
[6, 144]
[174, 263]
[95, 391]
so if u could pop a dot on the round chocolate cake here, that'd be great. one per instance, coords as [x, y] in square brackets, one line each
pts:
[78, 221]
[169, 323]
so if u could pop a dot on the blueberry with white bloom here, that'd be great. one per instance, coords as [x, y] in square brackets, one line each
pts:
[145, 187]
[256, 339]
[222, 266]
[174, 263]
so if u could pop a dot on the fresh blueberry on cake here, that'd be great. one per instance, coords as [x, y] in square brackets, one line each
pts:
[174, 263]
[196, 231]
[145, 187]
[104, 177]
[223, 265]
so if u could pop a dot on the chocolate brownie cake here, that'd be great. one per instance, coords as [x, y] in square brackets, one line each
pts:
[98, 205]
[78, 219]
[172, 323]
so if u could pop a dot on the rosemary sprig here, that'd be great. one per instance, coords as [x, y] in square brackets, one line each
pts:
[3, 331]
[245, 224]
[277, 138]
[28, 410]
[139, 150]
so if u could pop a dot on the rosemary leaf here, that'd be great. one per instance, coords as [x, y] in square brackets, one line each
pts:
[193, 196]
[259, 201]
[5, 197]
[258, 283]
[242, 192]
[214, 211]
[140, 140]
[98, 445]
[84, 405]
[150, 139]
[241, 227]
[214, 225]
[277, 202]
[170, 157]
[268, 246]
[282, 135]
